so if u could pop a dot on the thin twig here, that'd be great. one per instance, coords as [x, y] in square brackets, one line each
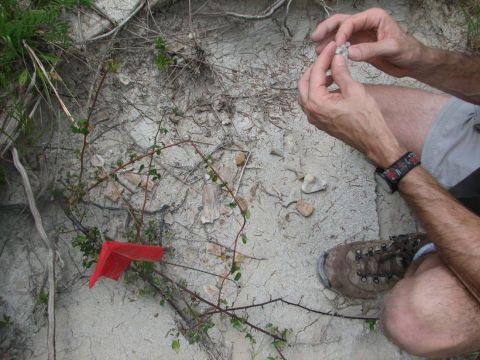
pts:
[51, 252]
[241, 174]
[198, 270]
[281, 300]
[121, 24]
[279, 352]
[220, 309]
[285, 18]
[266, 14]
[142, 213]
[87, 124]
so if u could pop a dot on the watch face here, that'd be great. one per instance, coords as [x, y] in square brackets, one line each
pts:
[382, 183]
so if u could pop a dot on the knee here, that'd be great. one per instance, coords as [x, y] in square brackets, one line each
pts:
[408, 319]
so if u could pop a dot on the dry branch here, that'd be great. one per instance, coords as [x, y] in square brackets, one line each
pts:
[51, 252]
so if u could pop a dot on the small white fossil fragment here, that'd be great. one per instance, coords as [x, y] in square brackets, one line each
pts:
[312, 184]
[343, 49]
[124, 79]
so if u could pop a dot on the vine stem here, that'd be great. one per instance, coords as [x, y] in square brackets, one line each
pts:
[290, 303]
[142, 213]
[242, 211]
[220, 309]
[138, 158]
[87, 124]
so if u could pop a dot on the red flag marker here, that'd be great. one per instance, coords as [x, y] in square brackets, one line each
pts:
[116, 256]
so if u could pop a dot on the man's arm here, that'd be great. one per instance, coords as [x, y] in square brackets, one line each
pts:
[353, 116]
[377, 39]
[454, 73]
[453, 228]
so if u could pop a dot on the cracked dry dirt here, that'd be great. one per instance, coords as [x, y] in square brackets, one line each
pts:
[233, 91]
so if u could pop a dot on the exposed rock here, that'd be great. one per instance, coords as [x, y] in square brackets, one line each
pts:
[113, 191]
[97, 161]
[216, 250]
[211, 291]
[139, 181]
[304, 208]
[211, 210]
[312, 184]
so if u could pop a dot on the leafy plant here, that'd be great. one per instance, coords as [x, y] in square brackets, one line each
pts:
[163, 60]
[42, 298]
[471, 10]
[371, 324]
[6, 321]
[89, 245]
[36, 22]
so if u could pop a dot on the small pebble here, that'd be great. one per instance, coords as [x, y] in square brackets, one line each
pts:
[304, 208]
[240, 158]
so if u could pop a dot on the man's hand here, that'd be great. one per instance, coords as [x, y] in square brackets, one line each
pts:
[349, 114]
[375, 37]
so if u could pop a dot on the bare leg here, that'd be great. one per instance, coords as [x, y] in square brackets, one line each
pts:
[430, 313]
[409, 113]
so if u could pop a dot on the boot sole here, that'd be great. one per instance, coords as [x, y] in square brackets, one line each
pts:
[321, 270]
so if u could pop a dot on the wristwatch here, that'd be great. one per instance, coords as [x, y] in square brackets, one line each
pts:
[389, 178]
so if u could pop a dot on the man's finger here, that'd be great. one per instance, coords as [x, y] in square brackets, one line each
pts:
[367, 20]
[328, 27]
[318, 74]
[319, 46]
[303, 86]
[367, 51]
[341, 76]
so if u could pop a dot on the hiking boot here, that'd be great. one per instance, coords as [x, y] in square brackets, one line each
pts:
[362, 269]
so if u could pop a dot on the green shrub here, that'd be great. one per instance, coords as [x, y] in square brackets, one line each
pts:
[38, 23]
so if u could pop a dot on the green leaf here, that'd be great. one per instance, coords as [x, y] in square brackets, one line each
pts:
[247, 214]
[238, 275]
[236, 322]
[244, 238]
[278, 343]
[110, 66]
[232, 205]
[250, 337]
[23, 78]
[234, 268]
[371, 324]
[176, 345]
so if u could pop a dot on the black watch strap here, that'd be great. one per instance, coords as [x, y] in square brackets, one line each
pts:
[395, 172]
